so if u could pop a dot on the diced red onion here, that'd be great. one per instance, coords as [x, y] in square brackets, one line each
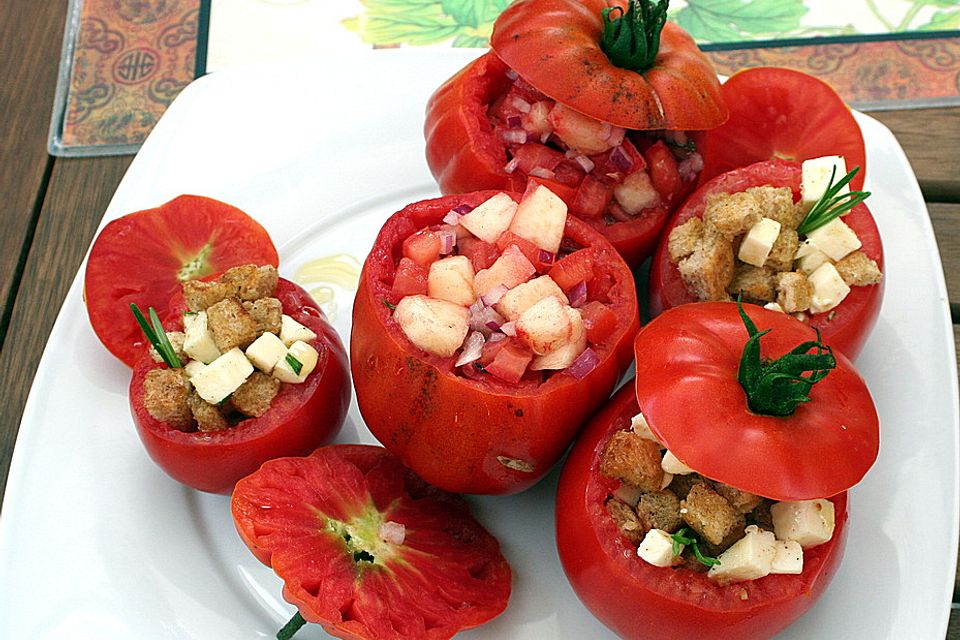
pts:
[578, 294]
[541, 172]
[584, 364]
[585, 163]
[472, 347]
[511, 166]
[514, 122]
[513, 136]
[493, 296]
[546, 257]
[493, 325]
[521, 105]
[621, 160]
[496, 337]
[509, 328]
[463, 208]
[452, 217]
[448, 240]
[392, 532]
[485, 319]
[545, 136]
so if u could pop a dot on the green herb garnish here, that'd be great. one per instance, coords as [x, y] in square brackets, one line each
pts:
[831, 205]
[292, 626]
[684, 537]
[631, 38]
[390, 306]
[156, 335]
[295, 364]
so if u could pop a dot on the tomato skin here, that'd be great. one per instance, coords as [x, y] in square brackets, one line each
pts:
[847, 326]
[638, 600]
[450, 429]
[301, 417]
[136, 259]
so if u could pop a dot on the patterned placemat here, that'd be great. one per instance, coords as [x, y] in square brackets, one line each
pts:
[125, 60]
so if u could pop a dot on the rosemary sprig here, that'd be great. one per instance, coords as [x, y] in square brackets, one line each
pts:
[156, 335]
[295, 364]
[684, 537]
[292, 626]
[832, 203]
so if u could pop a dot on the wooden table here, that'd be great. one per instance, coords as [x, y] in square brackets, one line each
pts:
[52, 206]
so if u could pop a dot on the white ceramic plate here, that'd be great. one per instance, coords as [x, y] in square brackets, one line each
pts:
[96, 542]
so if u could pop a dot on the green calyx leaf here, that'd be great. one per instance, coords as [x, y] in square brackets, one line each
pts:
[631, 38]
[832, 204]
[777, 388]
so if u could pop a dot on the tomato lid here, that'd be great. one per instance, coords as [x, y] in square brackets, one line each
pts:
[692, 399]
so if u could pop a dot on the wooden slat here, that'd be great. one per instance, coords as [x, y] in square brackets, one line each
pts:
[79, 192]
[930, 138]
[946, 226]
[30, 39]
[953, 628]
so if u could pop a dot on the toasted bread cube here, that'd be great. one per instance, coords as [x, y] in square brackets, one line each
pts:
[287, 370]
[231, 325]
[564, 355]
[816, 176]
[749, 558]
[490, 218]
[788, 558]
[266, 351]
[266, 312]
[636, 193]
[451, 279]
[710, 269]
[198, 342]
[208, 416]
[777, 204]
[809, 258]
[656, 548]
[632, 459]
[807, 522]
[220, 378]
[545, 326]
[731, 214]
[857, 270]
[829, 289]
[783, 251]
[291, 331]
[165, 396]
[836, 239]
[742, 501]
[200, 295]
[626, 520]
[709, 514]
[509, 270]
[660, 510]
[254, 396]
[526, 294]
[758, 242]
[250, 282]
[540, 218]
[755, 284]
[436, 326]
[794, 292]
[684, 239]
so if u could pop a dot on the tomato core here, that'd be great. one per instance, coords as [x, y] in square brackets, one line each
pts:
[198, 266]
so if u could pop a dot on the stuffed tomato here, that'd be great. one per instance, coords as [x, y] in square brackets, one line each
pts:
[561, 101]
[747, 233]
[256, 372]
[486, 329]
[687, 509]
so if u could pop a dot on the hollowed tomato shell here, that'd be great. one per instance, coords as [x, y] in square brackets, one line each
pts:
[464, 435]
[301, 417]
[638, 600]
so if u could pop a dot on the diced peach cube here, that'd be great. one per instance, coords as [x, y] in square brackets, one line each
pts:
[523, 296]
[510, 269]
[451, 279]
[436, 326]
[636, 193]
[545, 326]
[583, 133]
[490, 218]
[540, 218]
[564, 355]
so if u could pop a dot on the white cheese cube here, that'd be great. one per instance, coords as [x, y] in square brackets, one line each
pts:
[815, 178]
[303, 353]
[789, 558]
[667, 479]
[640, 427]
[808, 522]
[749, 558]
[490, 218]
[758, 242]
[291, 331]
[809, 257]
[629, 494]
[657, 548]
[829, 289]
[451, 279]
[672, 464]
[221, 377]
[266, 351]
[198, 340]
[193, 367]
[836, 239]
[773, 306]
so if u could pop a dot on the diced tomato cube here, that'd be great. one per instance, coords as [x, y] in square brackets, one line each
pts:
[592, 199]
[569, 173]
[491, 349]
[573, 269]
[599, 320]
[409, 280]
[481, 254]
[599, 287]
[663, 171]
[532, 156]
[510, 362]
[619, 160]
[422, 247]
[531, 252]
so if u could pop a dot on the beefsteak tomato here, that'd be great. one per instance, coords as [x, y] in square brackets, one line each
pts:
[367, 549]
[301, 416]
[845, 327]
[478, 434]
[785, 114]
[144, 257]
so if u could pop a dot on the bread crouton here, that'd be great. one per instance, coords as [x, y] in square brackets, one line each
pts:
[683, 239]
[794, 291]
[731, 214]
[207, 415]
[231, 325]
[761, 515]
[626, 520]
[710, 269]
[660, 510]
[783, 251]
[632, 459]
[250, 282]
[200, 295]
[176, 339]
[165, 393]
[681, 484]
[755, 284]
[253, 397]
[777, 204]
[858, 270]
[709, 514]
[267, 313]
[742, 501]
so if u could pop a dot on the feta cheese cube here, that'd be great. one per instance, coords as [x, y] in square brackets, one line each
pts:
[788, 559]
[657, 548]
[221, 377]
[749, 558]
[773, 306]
[758, 242]
[807, 522]
[672, 464]
[266, 351]
[829, 289]
[815, 178]
[629, 494]
[198, 340]
[836, 239]
[303, 353]
[639, 425]
[193, 367]
[291, 331]
[809, 257]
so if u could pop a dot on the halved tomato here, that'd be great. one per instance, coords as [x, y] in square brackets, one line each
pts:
[144, 257]
[369, 550]
[786, 114]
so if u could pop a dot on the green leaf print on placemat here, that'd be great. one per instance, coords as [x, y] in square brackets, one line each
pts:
[737, 20]
[421, 22]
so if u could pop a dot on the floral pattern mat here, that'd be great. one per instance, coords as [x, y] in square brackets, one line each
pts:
[125, 60]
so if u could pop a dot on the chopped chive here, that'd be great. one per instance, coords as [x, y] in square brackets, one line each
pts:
[157, 336]
[683, 537]
[295, 364]
[831, 205]
[390, 306]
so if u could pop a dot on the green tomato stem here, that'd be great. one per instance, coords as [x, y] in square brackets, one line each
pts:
[631, 38]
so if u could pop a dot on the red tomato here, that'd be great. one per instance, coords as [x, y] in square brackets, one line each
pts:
[572, 269]
[319, 523]
[411, 279]
[461, 434]
[638, 600]
[786, 114]
[301, 417]
[847, 326]
[144, 257]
